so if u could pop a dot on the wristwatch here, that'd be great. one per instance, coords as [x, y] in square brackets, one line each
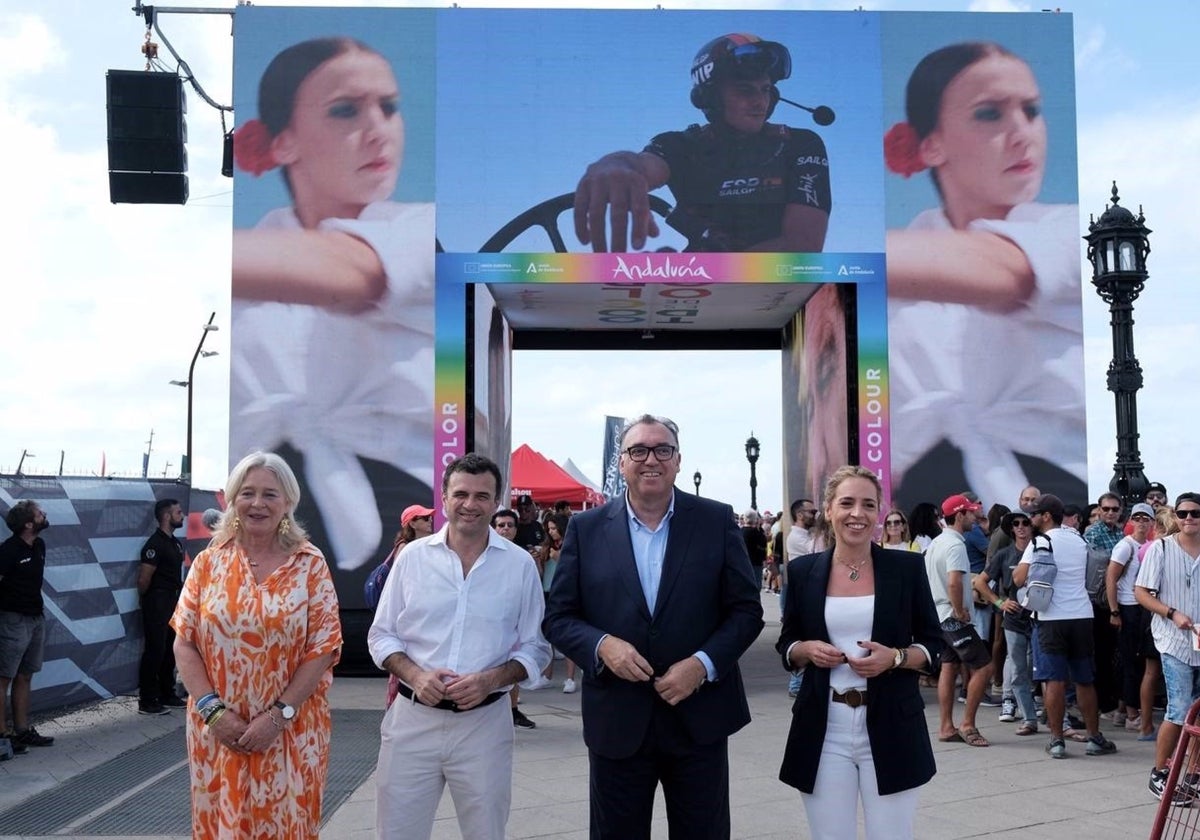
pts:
[1114, 613]
[285, 711]
[1171, 614]
[900, 658]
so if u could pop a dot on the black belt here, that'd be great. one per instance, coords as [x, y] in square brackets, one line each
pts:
[450, 705]
[853, 698]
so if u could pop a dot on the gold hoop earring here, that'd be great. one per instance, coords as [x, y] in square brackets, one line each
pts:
[285, 525]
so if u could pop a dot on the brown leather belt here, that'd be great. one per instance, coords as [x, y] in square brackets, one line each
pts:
[853, 698]
[449, 705]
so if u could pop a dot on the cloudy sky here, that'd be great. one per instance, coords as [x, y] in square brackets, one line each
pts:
[105, 303]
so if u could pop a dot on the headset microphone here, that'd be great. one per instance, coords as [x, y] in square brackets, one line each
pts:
[822, 114]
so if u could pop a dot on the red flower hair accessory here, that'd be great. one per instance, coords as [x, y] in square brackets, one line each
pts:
[252, 148]
[902, 150]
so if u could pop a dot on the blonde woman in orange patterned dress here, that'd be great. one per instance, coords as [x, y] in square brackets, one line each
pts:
[257, 637]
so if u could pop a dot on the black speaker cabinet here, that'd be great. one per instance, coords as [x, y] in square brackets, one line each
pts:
[147, 133]
[147, 188]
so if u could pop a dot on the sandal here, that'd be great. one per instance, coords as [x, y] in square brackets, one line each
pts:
[1027, 728]
[972, 737]
[1075, 735]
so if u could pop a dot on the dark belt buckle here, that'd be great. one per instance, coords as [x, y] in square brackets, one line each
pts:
[855, 698]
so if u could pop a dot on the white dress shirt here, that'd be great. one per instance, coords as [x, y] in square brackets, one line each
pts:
[440, 618]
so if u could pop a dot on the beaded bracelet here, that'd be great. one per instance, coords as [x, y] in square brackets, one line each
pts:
[206, 699]
[212, 719]
[271, 715]
[209, 712]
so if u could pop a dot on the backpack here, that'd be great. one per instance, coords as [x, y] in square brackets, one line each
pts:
[373, 587]
[1038, 591]
[1097, 570]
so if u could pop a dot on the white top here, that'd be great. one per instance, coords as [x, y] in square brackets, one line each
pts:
[338, 386]
[848, 619]
[1070, 598]
[996, 383]
[440, 619]
[948, 553]
[1175, 575]
[799, 542]
[1125, 554]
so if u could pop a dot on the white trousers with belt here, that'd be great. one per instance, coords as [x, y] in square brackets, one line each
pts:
[423, 750]
[846, 774]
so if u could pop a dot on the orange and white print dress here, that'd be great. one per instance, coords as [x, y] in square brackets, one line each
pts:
[252, 637]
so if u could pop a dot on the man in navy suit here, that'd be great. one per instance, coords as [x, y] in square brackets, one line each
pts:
[654, 597]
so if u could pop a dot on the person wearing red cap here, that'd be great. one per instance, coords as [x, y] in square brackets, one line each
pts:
[949, 572]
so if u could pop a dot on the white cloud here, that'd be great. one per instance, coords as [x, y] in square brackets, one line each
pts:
[27, 46]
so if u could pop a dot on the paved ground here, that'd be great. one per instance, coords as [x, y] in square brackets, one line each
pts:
[1008, 791]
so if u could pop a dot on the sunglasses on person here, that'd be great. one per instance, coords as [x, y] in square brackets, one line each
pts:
[1022, 523]
[1107, 509]
[1140, 517]
[1187, 513]
[891, 522]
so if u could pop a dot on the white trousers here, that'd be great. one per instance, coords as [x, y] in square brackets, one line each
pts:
[422, 750]
[846, 773]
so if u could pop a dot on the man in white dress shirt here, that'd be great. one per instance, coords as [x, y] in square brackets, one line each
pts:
[459, 623]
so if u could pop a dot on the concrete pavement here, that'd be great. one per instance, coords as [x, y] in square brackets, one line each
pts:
[1008, 791]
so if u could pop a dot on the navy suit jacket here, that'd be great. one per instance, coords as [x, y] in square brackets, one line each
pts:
[904, 614]
[708, 600]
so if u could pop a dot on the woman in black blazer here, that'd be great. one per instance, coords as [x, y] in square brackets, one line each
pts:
[860, 621]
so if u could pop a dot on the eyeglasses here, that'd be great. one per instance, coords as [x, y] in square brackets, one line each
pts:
[1140, 517]
[890, 522]
[662, 452]
[1111, 509]
[1189, 513]
[1022, 523]
[1162, 497]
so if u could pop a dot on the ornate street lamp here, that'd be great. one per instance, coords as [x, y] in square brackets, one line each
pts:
[1118, 245]
[185, 473]
[696, 480]
[752, 457]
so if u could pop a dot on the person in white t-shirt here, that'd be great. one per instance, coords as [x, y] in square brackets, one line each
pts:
[1140, 667]
[989, 268]
[333, 295]
[1065, 628]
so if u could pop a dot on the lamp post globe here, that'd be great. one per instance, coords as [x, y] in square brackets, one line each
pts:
[752, 457]
[1118, 244]
[696, 480]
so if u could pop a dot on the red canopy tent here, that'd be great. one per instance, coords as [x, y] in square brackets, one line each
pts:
[547, 482]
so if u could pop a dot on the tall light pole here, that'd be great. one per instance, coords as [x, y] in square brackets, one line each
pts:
[1118, 245]
[696, 480]
[185, 472]
[752, 457]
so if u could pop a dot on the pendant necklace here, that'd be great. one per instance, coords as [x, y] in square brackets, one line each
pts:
[854, 570]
